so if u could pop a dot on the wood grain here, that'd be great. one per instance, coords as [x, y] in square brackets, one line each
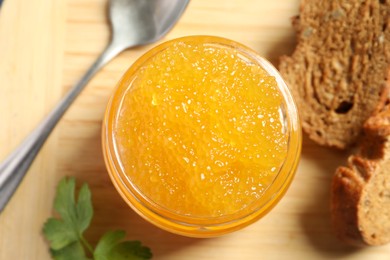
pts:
[46, 46]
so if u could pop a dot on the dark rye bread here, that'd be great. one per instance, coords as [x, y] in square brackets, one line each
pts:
[339, 71]
[360, 201]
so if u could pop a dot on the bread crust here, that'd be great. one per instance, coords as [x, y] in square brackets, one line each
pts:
[360, 195]
[339, 71]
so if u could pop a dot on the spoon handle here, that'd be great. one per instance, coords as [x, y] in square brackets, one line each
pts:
[15, 166]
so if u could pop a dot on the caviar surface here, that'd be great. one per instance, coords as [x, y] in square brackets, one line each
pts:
[200, 131]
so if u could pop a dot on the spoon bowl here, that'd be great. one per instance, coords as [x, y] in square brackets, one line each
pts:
[133, 23]
[136, 22]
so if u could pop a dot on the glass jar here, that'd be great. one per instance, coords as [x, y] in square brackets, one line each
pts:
[211, 178]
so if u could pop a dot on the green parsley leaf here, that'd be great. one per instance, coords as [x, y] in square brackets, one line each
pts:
[74, 251]
[109, 248]
[66, 234]
[78, 215]
[129, 250]
[107, 243]
[59, 233]
[75, 218]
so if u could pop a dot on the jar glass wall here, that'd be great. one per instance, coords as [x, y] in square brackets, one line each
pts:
[201, 136]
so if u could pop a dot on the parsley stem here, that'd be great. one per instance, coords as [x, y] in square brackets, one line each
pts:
[86, 244]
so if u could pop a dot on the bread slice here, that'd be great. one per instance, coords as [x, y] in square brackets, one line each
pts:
[339, 71]
[360, 201]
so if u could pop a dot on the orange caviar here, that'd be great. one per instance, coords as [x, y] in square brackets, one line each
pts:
[199, 134]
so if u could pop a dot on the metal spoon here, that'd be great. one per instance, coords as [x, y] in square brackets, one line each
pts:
[133, 23]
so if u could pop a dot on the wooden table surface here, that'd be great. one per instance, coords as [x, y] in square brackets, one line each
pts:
[47, 45]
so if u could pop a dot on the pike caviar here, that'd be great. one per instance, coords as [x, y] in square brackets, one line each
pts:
[200, 131]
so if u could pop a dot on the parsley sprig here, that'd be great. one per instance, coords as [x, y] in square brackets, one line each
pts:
[65, 234]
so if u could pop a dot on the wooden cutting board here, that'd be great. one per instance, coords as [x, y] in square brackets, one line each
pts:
[46, 46]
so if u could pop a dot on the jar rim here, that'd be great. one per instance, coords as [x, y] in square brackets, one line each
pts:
[202, 226]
